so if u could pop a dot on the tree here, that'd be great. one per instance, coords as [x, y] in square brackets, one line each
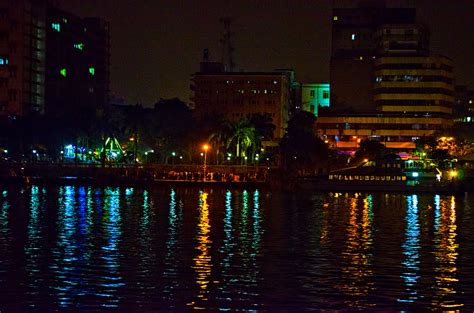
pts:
[219, 138]
[263, 124]
[244, 137]
[370, 149]
[174, 128]
[300, 147]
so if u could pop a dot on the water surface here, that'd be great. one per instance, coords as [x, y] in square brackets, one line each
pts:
[125, 249]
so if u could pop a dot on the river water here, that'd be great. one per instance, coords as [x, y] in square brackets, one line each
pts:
[147, 250]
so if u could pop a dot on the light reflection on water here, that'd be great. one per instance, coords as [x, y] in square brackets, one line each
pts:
[411, 250]
[203, 261]
[357, 253]
[446, 254]
[89, 249]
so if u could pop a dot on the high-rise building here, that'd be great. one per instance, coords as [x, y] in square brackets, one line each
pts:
[51, 60]
[354, 45]
[22, 57]
[77, 62]
[385, 85]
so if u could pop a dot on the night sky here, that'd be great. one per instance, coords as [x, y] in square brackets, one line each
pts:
[156, 44]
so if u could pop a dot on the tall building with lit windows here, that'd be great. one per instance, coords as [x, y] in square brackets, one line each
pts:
[385, 85]
[50, 59]
[354, 46]
[22, 57]
[77, 62]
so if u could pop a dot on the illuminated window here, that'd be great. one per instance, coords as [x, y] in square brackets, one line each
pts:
[470, 101]
[335, 18]
[79, 46]
[3, 61]
[353, 36]
[56, 27]
[325, 94]
[65, 20]
[63, 72]
[92, 71]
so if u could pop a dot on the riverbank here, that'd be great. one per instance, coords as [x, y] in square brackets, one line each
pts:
[221, 177]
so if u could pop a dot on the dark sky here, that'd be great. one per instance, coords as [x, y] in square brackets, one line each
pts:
[157, 44]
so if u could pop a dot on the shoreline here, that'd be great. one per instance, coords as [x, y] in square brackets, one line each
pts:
[86, 176]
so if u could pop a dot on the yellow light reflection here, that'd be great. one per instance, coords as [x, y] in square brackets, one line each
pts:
[446, 254]
[203, 261]
[357, 255]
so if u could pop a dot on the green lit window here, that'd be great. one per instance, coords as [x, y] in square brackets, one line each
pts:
[56, 27]
[92, 70]
[63, 72]
[79, 46]
[3, 61]
[353, 36]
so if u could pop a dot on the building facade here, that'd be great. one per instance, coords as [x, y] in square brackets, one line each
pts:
[463, 105]
[353, 49]
[77, 62]
[392, 90]
[22, 57]
[314, 96]
[238, 95]
[50, 60]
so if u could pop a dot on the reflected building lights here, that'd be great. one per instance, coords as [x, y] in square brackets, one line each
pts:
[203, 261]
[446, 254]
[66, 251]
[170, 271]
[226, 251]
[357, 255]
[4, 213]
[257, 228]
[5, 238]
[411, 250]
[112, 224]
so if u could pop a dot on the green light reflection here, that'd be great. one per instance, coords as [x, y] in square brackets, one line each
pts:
[411, 250]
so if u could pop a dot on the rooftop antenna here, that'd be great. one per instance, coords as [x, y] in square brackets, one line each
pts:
[227, 58]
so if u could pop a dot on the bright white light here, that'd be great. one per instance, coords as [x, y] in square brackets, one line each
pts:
[415, 174]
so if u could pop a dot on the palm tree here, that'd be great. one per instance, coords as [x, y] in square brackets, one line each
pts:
[220, 137]
[244, 137]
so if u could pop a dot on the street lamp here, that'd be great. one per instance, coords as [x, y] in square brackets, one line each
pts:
[205, 147]
[173, 154]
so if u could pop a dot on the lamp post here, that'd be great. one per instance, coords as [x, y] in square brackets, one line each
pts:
[205, 147]
[173, 154]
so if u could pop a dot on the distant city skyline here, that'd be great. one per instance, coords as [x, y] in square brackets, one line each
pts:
[156, 47]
